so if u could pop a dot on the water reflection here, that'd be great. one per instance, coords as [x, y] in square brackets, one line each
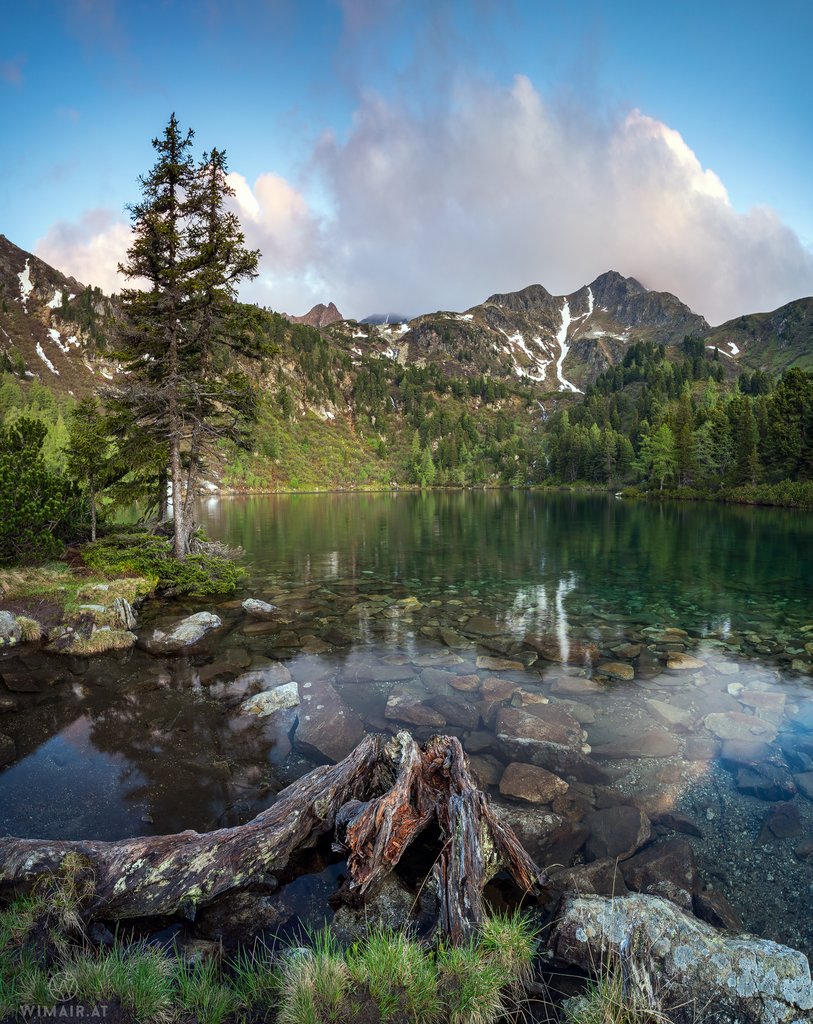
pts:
[665, 634]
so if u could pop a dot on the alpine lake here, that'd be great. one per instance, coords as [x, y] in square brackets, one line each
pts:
[656, 656]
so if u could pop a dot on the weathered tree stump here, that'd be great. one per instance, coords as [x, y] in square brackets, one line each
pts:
[379, 799]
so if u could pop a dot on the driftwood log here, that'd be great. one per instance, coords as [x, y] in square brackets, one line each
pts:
[378, 799]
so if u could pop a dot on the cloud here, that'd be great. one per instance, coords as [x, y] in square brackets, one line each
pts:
[278, 220]
[89, 250]
[488, 190]
[494, 189]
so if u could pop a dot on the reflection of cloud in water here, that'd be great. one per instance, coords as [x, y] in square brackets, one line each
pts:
[541, 610]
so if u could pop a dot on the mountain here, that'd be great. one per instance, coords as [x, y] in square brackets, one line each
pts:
[52, 327]
[319, 316]
[549, 342]
[769, 341]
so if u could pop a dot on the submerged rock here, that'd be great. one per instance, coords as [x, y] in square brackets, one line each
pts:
[531, 784]
[268, 701]
[677, 662]
[667, 869]
[696, 971]
[652, 743]
[734, 725]
[328, 729]
[404, 706]
[259, 609]
[616, 832]
[186, 634]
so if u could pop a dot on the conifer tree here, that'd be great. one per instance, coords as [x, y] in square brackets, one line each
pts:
[86, 452]
[184, 392]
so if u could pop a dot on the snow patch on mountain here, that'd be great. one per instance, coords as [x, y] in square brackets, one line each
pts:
[56, 338]
[26, 284]
[564, 348]
[45, 358]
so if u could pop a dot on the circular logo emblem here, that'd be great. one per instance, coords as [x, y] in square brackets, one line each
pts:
[63, 986]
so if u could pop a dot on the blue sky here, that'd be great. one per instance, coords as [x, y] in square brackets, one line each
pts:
[416, 155]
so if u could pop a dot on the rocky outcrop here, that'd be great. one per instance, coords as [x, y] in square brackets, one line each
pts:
[695, 972]
[317, 316]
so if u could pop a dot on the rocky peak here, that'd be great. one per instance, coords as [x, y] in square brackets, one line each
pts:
[319, 316]
[524, 301]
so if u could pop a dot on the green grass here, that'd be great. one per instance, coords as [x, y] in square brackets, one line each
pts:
[389, 976]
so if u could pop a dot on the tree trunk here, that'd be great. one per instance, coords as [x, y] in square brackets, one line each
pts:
[379, 798]
[92, 514]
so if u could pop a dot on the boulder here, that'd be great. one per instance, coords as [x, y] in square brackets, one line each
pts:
[734, 725]
[481, 626]
[327, 728]
[183, 636]
[697, 971]
[667, 869]
[123, 611]
[652, 743]
[782, 821]
[267, 702]
[468, 684]
[530, 783]
[10, 631]
[571, 652]
[713, 908]
[677, 662]
[600, 877]
[616, 670]
[575, 686]
[259, 609]
[457, 711]
[616, 832]
[492, 664]
[18, 677]
[405, 706]
[766, 781]
[547, 736]
[486, 769]
[804, 783]
[548, 837]
[390, 909]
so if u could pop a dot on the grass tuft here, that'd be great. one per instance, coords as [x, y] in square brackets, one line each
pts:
[398, 973]
[30, 629]
[474, 985]
[315, 983]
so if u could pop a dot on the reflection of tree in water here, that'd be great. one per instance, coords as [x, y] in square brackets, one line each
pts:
[203, 768]
[628, 557]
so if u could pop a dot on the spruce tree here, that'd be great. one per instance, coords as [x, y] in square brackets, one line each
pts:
[184, 389]
[87, 450]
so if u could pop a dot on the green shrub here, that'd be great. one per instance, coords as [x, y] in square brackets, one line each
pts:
[39, 511]
[144, 554]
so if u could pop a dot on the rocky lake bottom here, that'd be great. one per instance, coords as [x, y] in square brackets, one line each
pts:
[640, 732]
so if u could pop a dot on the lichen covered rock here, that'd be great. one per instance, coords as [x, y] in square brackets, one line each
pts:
[696, 971]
